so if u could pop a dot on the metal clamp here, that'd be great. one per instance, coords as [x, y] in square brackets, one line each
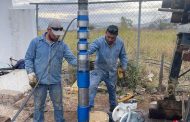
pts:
[82, 46]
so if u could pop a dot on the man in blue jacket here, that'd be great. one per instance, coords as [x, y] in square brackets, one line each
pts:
[43, 62]
[109, 49]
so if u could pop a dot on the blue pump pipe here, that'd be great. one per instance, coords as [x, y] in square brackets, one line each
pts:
[83, 62]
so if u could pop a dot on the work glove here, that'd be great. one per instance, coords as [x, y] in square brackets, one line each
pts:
[32, 79]
[92, 65]
[124, 73]
[121, 73]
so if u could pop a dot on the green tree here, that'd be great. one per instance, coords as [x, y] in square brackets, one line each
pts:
[91, 27]
[126, 23]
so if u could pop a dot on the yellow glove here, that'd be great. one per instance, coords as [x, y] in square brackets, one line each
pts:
[32, 79]
[121, 73]
[91, 65]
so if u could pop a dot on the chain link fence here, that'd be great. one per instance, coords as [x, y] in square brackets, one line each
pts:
[147, 33]
[157, 34]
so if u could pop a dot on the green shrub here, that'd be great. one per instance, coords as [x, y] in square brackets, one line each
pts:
[132, 77]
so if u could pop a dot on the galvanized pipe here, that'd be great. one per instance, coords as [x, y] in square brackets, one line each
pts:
[139, 33]
[37, 18]
[83, 61]
[96, 2]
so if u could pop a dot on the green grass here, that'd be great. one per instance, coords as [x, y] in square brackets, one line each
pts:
[152, 44]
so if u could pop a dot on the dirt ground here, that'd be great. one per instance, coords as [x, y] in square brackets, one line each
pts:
[101, 104]
[70, 107]
[71, 103]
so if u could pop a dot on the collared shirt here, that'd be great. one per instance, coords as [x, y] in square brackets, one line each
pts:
[107, 56]
[45, 60]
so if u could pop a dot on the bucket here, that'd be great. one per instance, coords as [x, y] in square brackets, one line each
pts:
[99, 116]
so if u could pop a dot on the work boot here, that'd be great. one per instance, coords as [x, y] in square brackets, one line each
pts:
[112, 108]
[110, 117]
[91, 108]
[110, 113]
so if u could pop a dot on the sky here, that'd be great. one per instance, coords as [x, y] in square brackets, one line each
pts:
[101, 13]
[20, 2]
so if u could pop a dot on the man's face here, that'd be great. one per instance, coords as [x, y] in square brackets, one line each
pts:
[110, 38]
[52, 36]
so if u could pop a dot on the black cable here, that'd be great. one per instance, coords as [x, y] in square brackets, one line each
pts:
[184, 73]
[67, 29]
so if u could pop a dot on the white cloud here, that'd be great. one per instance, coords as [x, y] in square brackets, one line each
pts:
[100, 12]
[24, 2]
[58, 15]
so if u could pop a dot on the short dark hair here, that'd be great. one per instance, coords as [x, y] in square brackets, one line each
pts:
[112, 29]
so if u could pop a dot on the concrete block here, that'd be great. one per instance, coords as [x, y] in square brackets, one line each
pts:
[9, 111]
[5, 119]
[16, 80]
[10, 96]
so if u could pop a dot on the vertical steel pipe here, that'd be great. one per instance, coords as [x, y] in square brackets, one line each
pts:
[139, 33]
[37, 30]
[83, 61]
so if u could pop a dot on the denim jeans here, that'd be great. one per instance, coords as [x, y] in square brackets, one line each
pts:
[96, 76]
[40, 94]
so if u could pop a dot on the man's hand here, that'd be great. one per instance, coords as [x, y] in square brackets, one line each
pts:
[32, 79]
[124, 73]
[91, 65]
[121, 73]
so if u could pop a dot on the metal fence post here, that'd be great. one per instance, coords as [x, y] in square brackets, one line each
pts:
[161, 72]
[139, 33]
[37, 18]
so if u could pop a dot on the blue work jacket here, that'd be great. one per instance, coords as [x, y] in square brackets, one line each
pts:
[45, 59]
[107, 56]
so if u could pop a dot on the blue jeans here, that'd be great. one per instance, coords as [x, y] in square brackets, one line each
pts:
[40, 94]
[96, 76]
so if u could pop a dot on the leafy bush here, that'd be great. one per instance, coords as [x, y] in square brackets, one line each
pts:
[132, 77]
